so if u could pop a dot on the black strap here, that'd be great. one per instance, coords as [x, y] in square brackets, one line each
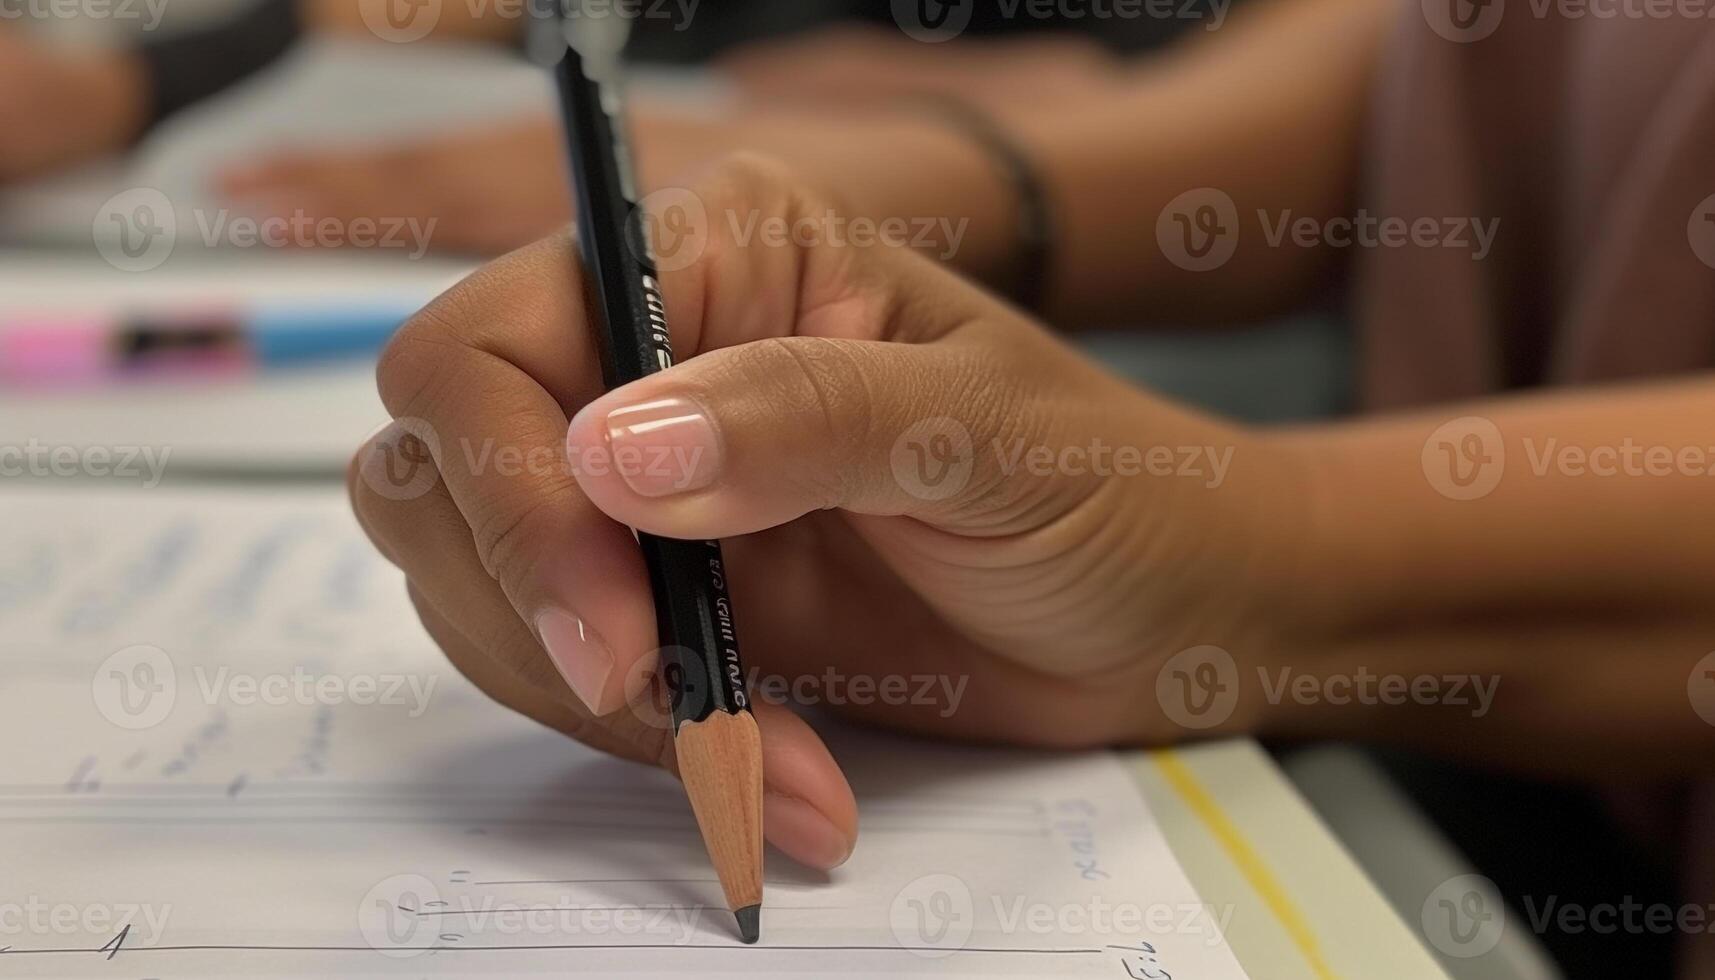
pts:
[186, 68]
[1029, 283]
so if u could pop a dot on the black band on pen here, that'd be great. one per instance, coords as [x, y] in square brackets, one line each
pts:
[186, 68]
[1033, 253]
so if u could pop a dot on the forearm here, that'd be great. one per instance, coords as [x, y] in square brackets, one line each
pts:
[1559, 543]
[1269, 111]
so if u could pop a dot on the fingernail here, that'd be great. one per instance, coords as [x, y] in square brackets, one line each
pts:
[800, 830]
[578, 652]
[663, 447]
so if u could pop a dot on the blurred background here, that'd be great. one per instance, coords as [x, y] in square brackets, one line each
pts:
[301, 174]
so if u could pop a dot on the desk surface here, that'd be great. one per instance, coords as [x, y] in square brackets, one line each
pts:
[1300, 908]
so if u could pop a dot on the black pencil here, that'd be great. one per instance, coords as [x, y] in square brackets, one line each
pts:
[714, 733]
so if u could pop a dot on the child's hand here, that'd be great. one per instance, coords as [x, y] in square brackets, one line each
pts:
[913, 481]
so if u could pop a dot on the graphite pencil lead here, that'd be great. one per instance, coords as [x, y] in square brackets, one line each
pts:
[749, 922]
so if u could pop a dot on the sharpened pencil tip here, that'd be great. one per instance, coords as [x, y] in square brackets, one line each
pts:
[749, 922]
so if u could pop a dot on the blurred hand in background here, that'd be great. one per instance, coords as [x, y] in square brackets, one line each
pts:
[60, 107]
[494, 188]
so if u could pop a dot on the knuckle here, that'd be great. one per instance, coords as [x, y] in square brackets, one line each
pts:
[509, 532]
[745, 176]
[745, 185]
[821, 383]
[416, 364]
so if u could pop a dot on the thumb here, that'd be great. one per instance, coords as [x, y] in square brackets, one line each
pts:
[752, 436]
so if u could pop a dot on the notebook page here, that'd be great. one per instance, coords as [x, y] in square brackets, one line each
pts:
[232, 751]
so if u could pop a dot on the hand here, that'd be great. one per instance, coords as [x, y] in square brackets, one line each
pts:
[483, 191]
[869, 434]
[488, 190]
[59, 108]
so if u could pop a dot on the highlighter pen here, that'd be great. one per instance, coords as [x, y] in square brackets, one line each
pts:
[70, 349]
[714, 733]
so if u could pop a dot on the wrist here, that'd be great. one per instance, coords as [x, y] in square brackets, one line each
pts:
[1220, 590]
[956, 205]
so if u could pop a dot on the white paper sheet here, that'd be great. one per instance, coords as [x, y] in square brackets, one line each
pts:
[231, 751]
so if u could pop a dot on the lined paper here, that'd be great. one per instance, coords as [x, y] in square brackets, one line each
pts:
[233, 752]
